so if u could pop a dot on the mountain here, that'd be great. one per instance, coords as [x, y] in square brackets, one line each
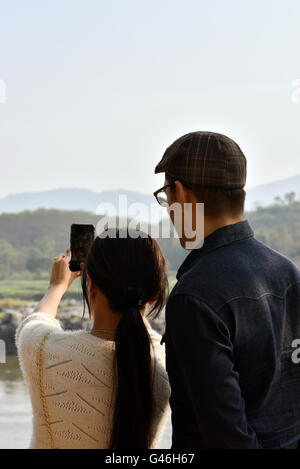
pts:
[118, 202]
[264, 194]
[125, 202]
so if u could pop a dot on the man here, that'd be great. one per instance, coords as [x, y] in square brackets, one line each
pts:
[233, 314]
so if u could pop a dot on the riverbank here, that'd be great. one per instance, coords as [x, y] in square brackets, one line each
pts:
[69, 314]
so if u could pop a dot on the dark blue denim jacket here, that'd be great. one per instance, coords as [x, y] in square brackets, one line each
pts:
[230, 322]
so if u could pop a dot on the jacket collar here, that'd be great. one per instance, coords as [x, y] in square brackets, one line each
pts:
[221, 237]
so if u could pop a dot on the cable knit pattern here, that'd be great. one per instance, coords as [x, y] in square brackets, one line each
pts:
[79, 384]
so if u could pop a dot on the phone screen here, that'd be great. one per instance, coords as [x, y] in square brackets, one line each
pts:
[81, 238]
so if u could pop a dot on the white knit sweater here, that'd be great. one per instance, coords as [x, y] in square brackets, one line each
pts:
[78, 384]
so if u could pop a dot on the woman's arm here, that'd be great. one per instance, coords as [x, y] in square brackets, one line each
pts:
[49, 303]
[60, 280]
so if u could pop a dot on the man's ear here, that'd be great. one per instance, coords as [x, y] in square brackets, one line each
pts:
[180, 193]
[183, 193]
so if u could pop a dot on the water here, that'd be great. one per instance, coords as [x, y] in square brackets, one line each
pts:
[15, 409]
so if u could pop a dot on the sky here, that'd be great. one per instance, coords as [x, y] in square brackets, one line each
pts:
[95, 91]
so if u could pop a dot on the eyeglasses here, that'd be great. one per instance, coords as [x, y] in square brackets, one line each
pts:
[162, 200]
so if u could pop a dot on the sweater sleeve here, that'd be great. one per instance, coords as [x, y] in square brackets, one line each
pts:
[30, 333]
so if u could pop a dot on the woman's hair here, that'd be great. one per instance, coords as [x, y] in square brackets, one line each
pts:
[129, 271]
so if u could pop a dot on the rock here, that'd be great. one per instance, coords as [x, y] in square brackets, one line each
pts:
[12, 317]
[72, 302]
[158, 324]
[70, 319]
[8, 326]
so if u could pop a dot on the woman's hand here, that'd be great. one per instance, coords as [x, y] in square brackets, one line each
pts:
[61, 275]
[61, 279]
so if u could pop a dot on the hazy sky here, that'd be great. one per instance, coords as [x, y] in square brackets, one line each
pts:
[96, 90]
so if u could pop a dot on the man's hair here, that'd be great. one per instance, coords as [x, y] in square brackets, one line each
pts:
[217, 200]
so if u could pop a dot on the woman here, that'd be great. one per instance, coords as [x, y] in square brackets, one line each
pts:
[106, 388]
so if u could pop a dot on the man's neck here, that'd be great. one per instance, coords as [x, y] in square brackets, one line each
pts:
[211, 225]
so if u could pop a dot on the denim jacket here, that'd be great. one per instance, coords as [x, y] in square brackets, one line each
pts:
[231, 320]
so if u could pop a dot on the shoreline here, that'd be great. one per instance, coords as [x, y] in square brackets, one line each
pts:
[69, 314]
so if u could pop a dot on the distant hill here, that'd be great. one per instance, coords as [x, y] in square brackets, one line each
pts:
[30, 239]
[84, 199]
[87, 200]
[264, 194]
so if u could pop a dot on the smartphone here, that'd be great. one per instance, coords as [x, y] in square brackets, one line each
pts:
[81, 238]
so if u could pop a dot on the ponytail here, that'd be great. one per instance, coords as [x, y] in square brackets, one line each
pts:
[134, 399]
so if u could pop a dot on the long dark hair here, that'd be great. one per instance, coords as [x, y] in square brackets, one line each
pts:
[129, 271]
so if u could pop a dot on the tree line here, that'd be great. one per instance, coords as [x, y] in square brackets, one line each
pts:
[29, 240]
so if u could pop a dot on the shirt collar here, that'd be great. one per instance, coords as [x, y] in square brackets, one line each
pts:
[222, 236]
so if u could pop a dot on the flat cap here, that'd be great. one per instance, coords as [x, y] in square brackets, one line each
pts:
[205, 158]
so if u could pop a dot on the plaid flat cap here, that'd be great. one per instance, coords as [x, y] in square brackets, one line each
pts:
[205, 158]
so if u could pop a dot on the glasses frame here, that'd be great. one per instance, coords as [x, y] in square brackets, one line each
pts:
[162, 189]
[172, 184]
